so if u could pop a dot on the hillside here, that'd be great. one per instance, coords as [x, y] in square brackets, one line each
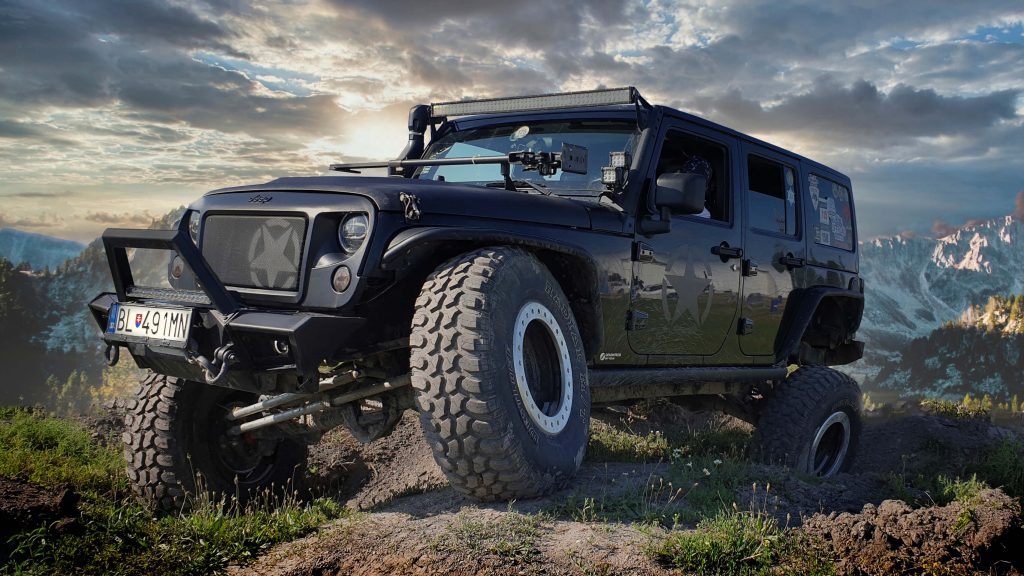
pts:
[51, 341]
[37, 250]
[662, 491]
[978, 354]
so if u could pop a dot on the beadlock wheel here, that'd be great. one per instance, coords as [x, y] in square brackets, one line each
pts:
[830, 445]
[500, 375]
[543, 370]
[811, 422]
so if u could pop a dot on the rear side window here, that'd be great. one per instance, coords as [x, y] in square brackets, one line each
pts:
[833, 221]
[772, 196]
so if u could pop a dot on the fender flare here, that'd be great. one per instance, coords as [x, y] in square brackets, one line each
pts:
[403, 246]
[804, 303]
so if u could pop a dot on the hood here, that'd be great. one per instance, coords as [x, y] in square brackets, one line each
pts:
[438, 198]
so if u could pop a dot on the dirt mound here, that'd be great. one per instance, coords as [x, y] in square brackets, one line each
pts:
[373, 474]
[903, 443]
[893, 538]
[26, 506]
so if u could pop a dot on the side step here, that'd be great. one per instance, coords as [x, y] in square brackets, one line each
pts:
[618, 384]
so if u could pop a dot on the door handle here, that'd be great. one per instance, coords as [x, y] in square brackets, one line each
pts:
[725, 252]
[790, 262]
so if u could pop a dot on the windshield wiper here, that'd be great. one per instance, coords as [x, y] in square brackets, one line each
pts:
[521, 184]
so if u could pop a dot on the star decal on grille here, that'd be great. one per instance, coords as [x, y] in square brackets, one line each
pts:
[274, 251]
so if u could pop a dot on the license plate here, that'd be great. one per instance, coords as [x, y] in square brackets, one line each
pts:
[151, 322]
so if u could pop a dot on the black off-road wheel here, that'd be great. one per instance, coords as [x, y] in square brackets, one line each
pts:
[176, 443]
[500, 375]
[811, 422]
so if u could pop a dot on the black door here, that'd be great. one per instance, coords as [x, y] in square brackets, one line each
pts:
[687, 280]
[775, 250]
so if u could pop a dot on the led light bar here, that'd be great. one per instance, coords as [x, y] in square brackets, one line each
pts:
[610, 97]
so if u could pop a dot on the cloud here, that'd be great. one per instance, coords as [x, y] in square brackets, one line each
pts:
[44, 220]
[862, 114]
[122, 219]
[911, 99]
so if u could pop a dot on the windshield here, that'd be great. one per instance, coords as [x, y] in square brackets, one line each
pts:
[599, 137]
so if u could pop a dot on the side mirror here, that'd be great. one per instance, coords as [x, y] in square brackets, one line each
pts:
[681, 193]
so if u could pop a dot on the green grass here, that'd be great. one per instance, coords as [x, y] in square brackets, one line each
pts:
[512, 536]
[1003, 466]
[738, 543]
[50, 452]
[657, 501]
[701, 473]
[120, 536]
[612, 444]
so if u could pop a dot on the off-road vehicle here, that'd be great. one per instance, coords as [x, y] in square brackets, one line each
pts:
[523, 260]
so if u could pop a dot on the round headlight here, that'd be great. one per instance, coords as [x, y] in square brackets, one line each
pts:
[194, 218]
[352, 232]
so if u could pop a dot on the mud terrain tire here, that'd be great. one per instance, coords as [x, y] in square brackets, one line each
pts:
[808, 419]
[496, 356]
[173, 429]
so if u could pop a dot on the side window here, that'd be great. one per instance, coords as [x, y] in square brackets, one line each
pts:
[772, 196]
[683, 152]
[833, 221]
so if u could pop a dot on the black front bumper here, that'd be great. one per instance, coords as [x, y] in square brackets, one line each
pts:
[266, 350]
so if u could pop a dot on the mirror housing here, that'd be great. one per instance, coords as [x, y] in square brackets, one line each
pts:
[681, 193]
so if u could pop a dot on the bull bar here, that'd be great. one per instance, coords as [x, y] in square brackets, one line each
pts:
[228, 339]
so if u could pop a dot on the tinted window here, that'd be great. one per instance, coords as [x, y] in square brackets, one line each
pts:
[833, 218]
[772, 196]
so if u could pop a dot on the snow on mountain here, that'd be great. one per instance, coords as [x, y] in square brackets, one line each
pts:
[915, 284]
[38, 250]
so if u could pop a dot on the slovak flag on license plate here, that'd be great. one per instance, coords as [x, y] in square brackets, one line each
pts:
[138, 320]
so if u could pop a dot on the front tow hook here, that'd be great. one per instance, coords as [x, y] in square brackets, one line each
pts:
[214, 371]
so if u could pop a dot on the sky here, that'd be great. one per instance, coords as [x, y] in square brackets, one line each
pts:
[113, 112]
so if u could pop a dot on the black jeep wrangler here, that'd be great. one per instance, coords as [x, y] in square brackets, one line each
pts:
[531, 258]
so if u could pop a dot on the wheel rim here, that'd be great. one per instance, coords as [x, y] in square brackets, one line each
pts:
[540, 356]
[831, 443]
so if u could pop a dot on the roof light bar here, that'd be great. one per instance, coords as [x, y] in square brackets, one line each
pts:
[609, 97]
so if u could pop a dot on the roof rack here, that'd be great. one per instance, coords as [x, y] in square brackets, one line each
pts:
[586, 98]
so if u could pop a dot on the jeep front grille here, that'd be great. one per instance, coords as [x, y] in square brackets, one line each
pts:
[255, 251]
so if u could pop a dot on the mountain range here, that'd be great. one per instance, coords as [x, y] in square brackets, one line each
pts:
[37, 250]
[928, 319]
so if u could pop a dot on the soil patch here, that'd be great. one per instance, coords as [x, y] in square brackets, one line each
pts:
[893, 538]
[27, 506]
[913, 442]
[372, 474]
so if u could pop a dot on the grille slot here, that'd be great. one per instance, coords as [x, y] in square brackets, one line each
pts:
[255, 251]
